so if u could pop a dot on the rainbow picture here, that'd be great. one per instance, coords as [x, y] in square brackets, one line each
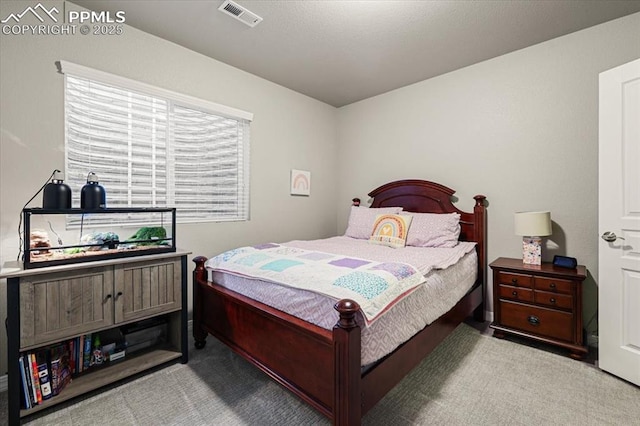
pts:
[300, 182]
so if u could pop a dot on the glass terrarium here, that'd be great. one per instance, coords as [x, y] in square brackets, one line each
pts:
[57, 237]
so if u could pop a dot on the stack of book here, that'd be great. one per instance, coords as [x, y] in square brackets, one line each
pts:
[44, 374]
[46, 371]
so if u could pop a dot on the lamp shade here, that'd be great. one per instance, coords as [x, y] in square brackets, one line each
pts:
[57, 194]
[533, 224]
[93, 195]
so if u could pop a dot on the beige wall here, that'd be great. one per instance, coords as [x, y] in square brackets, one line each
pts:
[521, 129]
[289, 131]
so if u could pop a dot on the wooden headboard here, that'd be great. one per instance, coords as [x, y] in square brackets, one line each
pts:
[421, 196]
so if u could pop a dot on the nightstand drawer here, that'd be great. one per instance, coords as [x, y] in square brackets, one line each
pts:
[554, 300]
[541, 321]
[553, 284]
[517, 280]
[516, 293]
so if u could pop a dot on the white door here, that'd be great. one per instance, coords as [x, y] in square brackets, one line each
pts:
[619, 222]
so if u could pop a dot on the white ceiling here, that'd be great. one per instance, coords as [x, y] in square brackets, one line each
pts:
[341, 52]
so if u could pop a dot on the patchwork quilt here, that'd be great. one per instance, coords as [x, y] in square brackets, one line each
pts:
[375, 286]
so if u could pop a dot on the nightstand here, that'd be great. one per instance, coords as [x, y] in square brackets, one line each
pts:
[539, 302]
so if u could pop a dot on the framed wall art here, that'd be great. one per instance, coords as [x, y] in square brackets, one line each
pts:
[300, 182]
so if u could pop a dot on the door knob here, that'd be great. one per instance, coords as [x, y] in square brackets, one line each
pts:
[610, 237]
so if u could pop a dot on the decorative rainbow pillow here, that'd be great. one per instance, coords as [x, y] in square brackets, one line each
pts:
[390, 230]
[361, 220]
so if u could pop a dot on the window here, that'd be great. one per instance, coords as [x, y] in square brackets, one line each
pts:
[151, 147]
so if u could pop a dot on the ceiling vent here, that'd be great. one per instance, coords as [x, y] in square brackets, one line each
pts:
[240, 13]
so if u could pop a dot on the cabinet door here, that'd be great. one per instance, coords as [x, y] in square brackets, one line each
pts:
[147, 288]
[57, 306]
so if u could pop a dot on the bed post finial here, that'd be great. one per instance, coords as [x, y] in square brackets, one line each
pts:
[200, 270]
[347, 309]
[355, 202]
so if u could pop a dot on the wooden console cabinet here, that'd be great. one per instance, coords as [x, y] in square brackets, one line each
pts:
[542, 302]
[53, 304]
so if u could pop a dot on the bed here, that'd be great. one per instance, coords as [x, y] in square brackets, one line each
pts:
[324, 366]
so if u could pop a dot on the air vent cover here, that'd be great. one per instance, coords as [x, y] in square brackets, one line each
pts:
[240, 13]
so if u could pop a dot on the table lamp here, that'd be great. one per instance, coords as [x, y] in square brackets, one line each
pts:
[531, 226]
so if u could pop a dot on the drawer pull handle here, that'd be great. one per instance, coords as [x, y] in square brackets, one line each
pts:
[533, 320]
[514, 293]
[118, 295]
[552, 285]
[514, 280]
[106, 299]
[552, 300]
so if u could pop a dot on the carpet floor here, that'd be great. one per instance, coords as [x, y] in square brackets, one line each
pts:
[470, 379]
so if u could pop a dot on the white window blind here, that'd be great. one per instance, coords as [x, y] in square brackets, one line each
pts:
[154, 148]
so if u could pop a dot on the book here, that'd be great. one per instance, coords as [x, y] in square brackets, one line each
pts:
[26, 365]
[72, 356]
[55, 376]
[80, 354]
[43, 374]
[25, 390]
[35, 380]
[61, 360]
[86, 357]
[55, 356]
[65, 375]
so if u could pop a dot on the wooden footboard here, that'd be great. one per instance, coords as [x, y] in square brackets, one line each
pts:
[321, 367]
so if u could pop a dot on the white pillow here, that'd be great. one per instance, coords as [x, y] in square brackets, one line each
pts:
[434, 229]
[361, 220]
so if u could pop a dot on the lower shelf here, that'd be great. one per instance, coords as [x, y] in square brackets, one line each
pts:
[107, 375]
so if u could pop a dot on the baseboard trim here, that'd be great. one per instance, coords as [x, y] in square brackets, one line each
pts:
[488, 315]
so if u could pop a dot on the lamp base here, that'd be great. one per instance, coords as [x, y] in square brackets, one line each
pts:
[532, 250]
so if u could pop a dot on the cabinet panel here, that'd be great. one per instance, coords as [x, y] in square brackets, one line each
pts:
[147, 288]
[62, 305]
